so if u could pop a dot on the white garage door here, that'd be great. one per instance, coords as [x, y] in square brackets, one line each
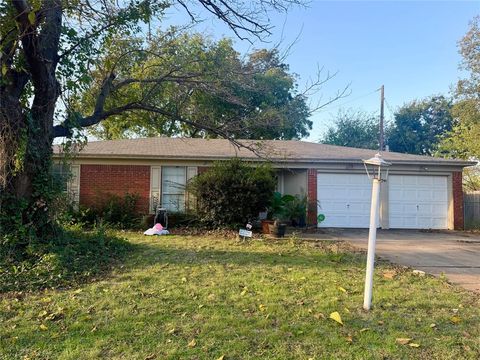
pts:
[418, 202]
[344, 199]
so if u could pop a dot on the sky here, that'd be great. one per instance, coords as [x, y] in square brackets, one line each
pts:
[408, 46]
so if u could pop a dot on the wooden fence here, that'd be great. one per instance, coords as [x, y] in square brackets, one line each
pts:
[471, 208]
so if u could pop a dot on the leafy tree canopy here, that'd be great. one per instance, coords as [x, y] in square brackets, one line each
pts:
[354, 129]
[215, 90]
[418, 126]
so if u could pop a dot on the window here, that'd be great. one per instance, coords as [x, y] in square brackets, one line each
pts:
[168, 187]
[174, 179]
[69, 177]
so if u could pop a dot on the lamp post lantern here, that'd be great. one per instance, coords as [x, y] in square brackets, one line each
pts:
[377, 171]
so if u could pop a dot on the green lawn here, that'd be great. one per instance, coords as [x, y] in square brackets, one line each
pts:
[203, 298]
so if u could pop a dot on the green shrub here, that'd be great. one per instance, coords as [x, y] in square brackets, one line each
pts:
[118, 212]
[232, 192]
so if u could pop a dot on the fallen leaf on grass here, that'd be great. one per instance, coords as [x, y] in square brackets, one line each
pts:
[433, 325]
[336, 317]
[455, 319]
[364, 329]
[389, 274]
[221, 357]
[403, 341]
[150, 357]
[184, 279]
[414, 345]
[43, 327]
[342, 289]
[192, 343]
[262, 307]
[244, 291]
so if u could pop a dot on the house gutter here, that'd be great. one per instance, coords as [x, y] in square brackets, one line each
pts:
[442, 162]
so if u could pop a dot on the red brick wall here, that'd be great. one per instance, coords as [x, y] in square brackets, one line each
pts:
[312, 196]
[97, 182]
[457, 200]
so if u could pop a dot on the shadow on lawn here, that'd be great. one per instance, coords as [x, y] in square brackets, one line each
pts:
[71, 258]
[324, 256]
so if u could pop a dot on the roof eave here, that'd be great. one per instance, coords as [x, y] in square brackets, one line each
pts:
[442, 162]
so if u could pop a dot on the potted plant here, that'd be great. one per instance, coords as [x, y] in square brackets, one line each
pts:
[275, 210]
[278, 228]
[276, 214]
[296, 210]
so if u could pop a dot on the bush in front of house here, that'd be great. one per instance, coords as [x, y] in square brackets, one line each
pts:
[232, 192]
[119, 212]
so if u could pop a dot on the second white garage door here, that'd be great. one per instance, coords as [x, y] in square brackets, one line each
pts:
[418, 202]
[344, 199]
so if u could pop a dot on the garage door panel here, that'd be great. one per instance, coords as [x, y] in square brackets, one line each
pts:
[359, 221]
[425, 195]
[396, 194]
[425, 180]
[440, 181]
[418, 202]
[439, 195]
[344, 199]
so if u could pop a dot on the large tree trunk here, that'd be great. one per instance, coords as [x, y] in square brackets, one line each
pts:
[25, 149]
[26, 132]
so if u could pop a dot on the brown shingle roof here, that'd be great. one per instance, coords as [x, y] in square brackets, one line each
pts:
[211, 149]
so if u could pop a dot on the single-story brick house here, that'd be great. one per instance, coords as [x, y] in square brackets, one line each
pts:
[422, 192]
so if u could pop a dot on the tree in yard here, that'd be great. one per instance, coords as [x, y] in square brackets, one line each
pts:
[253, 99]
[462, 141]
[419, 125]
[353, 128]
[53, 51]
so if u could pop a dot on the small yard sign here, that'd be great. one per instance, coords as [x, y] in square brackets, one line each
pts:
[245, 233]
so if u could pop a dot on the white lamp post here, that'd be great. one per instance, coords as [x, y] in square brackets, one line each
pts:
[378, 172]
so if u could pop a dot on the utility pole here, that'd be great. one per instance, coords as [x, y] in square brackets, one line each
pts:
[382, 101]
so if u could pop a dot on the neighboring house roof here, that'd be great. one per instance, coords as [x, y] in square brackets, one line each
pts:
[217, 149]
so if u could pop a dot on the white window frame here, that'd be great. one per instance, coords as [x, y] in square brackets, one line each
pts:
[156, 190]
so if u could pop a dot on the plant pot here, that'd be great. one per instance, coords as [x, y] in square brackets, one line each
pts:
[265, 228]
[277, 230]
[302, 222]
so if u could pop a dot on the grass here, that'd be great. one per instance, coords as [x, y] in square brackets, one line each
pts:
[183, 297]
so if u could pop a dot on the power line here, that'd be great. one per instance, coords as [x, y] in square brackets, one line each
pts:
[348, 102]
[390, 108]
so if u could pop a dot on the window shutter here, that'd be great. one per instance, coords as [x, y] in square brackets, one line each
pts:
[192, 171]
[155, 187]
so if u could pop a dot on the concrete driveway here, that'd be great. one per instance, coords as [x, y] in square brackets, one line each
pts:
[455, 254]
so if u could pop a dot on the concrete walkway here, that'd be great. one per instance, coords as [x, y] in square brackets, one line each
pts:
[455, 254]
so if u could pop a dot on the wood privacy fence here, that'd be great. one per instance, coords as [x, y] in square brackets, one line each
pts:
[471, 208]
